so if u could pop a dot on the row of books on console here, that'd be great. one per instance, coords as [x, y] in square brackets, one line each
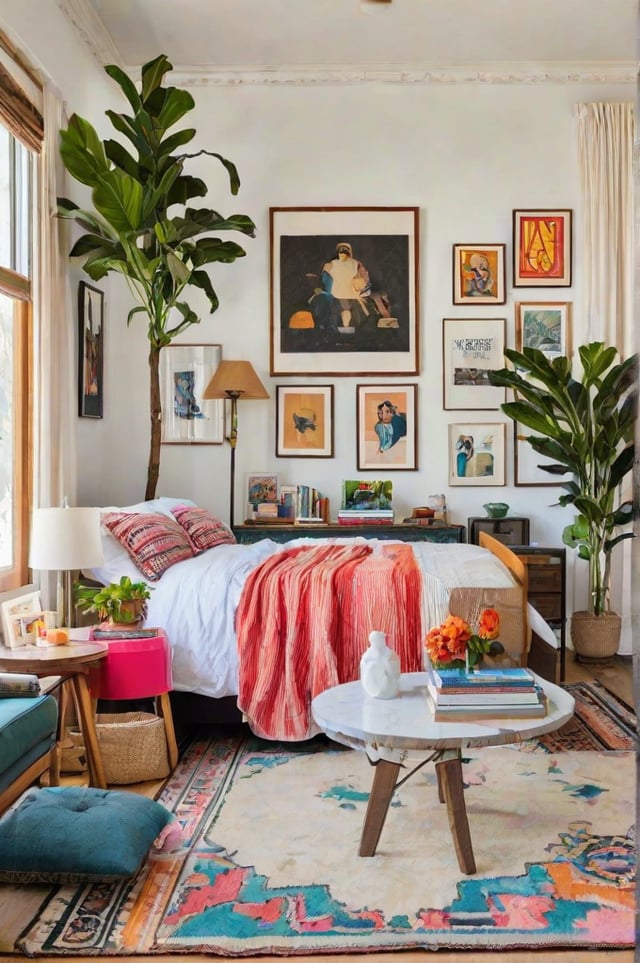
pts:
[473, 695]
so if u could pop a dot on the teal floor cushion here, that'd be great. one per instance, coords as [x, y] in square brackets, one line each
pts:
[63, 834]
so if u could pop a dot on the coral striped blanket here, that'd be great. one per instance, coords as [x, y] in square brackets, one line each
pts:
[303, 623]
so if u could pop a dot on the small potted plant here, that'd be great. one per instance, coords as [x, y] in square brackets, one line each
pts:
[119, 603]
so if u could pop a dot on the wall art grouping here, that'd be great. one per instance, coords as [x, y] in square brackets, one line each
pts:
[90, 351]
[304, 421]
[187, 418]
[344, 291]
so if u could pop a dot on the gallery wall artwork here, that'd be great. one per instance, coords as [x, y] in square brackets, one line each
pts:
[187, 418]
[472, 348]
[90, 351]
[304, 421]
[387, 427]
[344, 291]
[542, 248]
[477, 453]
[479, 274]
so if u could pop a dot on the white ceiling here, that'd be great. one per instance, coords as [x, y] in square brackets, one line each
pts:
[272, 34]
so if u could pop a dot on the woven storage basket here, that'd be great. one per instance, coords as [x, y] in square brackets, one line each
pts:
[133, 747]
[595, 638]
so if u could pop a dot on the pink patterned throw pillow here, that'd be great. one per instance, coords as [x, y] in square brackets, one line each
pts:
[203, 529]
[155, 542]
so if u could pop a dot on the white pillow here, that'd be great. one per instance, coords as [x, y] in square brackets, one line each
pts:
[542, 628]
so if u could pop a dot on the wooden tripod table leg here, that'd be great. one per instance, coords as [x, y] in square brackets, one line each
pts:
[86, 717]
[449, 773]
[384, 781]
[167, 715]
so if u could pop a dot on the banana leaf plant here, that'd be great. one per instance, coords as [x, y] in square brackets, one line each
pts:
[130, 229]
[585, 425]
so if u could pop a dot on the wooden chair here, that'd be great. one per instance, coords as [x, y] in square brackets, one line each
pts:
[518, 570]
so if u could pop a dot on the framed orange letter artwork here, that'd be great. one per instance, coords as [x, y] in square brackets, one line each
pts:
[542, 249]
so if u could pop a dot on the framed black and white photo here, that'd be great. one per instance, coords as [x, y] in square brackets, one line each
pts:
[472, 347]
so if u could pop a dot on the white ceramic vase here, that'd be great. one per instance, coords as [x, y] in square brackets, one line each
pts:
[380, 669]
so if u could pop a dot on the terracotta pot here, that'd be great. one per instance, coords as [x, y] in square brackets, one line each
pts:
[595, 638]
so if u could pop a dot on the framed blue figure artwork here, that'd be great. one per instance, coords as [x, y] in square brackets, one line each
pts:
[187, 418]
[477, 453]
[387, 427]
[344, 291]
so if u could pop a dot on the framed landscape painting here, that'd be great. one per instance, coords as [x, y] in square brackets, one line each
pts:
[187, 418]
[344, 290]
[542, 248]
[472, 347]
[545, 325]
[304, 421]
[477, 453]
[479, 274]
[386, 418]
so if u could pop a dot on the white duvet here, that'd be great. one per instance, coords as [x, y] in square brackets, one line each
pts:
[195, 601]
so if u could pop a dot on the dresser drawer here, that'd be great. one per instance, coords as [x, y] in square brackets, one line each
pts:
[549, 606]
[544, 578]
[509, 531]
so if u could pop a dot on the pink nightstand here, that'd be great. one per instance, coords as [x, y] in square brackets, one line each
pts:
[140, 669]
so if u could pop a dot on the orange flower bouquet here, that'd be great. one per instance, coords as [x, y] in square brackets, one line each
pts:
[453, 645]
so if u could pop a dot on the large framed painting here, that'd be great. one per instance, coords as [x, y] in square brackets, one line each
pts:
[542, 248]
[477, 453]
[304, 421]
[472, 347]
[545, 325]
[479, 274]
[90, 351]
[344, 291]
[187, 418]
[386, 417]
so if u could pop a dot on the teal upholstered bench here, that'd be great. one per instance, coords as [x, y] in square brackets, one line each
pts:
[28, 744]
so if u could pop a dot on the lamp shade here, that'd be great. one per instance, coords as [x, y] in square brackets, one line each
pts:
[235, 378]
[64, 539]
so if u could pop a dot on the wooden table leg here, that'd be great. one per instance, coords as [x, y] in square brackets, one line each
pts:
[164, 710]
[88, 726]
[384, 781]
[450, 779]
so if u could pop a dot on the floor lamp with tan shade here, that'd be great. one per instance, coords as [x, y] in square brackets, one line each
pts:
[235, 380]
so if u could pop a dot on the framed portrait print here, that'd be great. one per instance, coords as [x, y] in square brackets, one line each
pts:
[479, 274]
[187, 418]
[304, 421]
[472, 347]
[344, 290]
[476, 453]
[545, 325]
[90, 351]
[18, 613]
[387, 427]
[542, 248]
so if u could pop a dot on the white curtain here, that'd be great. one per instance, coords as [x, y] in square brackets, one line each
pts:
[54, 341]
[605, 143]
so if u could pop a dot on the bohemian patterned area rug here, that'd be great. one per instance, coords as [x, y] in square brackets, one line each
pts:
[269, 860]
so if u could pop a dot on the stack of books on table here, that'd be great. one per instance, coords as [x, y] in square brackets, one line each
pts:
[372, 516]
[460, 695]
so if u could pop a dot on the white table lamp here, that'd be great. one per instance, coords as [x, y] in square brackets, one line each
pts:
[65, 540]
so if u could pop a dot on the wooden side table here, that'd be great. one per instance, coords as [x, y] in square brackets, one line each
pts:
[72, 662]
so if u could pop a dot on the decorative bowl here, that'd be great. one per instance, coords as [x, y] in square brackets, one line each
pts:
[423, 512]
[496, 509]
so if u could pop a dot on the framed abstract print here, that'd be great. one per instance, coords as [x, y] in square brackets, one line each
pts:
[479, 274]
[545, 325]
[542, 248]
[187, 418]
[304, 421]
[472, 347]
[386, 425]
[527, 462]
[344, 290]
[477, 453]
[90, 351]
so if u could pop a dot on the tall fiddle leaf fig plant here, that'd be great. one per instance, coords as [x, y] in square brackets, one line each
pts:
[141, 225]
[585, 426]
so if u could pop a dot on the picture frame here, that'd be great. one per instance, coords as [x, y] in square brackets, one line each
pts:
[477, 453]
[545, 325]
[23, 629]
[262, 489]
[304, 421]
[188, 418]
[345, 313]
[90, 351]
[542, 242]
[386, 427]
[526, 462]
[26, 604]
[471, 348]
[479, 274]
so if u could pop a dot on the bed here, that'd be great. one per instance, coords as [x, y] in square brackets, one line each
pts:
[196, 598]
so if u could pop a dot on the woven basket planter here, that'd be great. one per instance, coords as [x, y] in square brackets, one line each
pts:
[133, 746]
[595, 638]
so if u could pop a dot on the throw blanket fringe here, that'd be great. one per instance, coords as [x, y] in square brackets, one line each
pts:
[303, 623]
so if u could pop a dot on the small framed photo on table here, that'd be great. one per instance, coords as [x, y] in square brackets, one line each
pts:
[17, 614]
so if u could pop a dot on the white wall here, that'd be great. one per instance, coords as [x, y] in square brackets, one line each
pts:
[465, 154]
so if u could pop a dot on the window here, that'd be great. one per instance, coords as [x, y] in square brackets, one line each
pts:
[18, 168]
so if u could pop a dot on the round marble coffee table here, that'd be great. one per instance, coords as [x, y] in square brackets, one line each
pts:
[387, 729]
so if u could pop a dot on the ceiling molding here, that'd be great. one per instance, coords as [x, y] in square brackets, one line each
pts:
[406, 74]
[82, 15]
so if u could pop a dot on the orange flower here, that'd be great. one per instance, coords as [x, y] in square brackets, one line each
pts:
[453, 643]
[489, 624]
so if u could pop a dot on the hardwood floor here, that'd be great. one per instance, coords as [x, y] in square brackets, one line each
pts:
[618, 678]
